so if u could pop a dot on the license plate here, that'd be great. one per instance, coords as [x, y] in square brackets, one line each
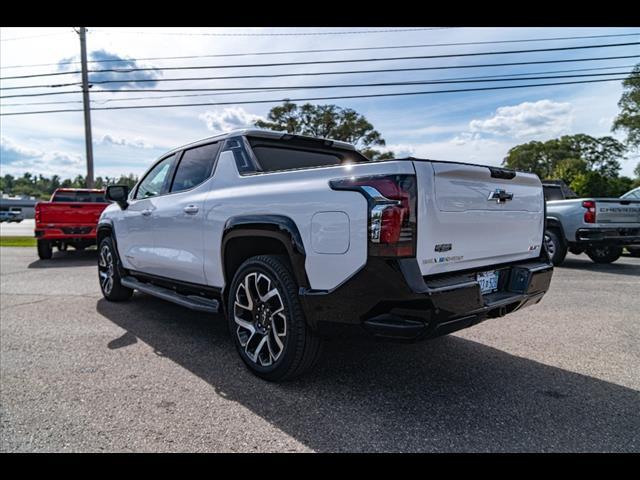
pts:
[488, 281]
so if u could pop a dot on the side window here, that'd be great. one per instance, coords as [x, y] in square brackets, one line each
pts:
[195, 166]
[153, 182]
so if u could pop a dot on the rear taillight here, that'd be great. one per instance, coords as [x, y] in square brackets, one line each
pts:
[590, 214]
[37, 214]
[391, 203]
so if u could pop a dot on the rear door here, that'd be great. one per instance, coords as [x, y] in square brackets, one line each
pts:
[177, 218]
[471, 216]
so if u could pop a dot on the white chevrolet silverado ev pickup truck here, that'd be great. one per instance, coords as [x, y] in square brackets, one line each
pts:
[286, 234]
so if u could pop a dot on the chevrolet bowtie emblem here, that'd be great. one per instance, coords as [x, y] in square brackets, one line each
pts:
[500, 196]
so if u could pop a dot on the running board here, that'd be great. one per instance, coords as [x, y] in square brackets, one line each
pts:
[193, 302]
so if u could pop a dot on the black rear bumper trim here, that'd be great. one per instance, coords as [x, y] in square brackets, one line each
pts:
[390, 298]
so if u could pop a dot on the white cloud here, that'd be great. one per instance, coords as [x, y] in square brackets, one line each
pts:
[544, 118]
[226, 119]
[19, 158]
[474, 149]
[125, 142]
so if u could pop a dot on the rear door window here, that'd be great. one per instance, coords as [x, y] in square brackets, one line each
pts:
[195, 167]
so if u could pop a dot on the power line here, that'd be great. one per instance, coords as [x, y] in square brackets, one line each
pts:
[281, 75]
[396, 84]
[32, 36]
[246, 102]
[324, 62]
[359, 60]
[109, 100]
[326, 50]
[491, 78]
[275, 34]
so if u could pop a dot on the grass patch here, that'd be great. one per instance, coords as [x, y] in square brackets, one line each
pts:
[17, 242]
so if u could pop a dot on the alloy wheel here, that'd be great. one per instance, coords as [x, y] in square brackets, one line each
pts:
[106, 269]
[259, 314]
[551, 247]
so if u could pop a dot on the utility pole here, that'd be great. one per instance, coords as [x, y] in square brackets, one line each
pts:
[87, 106]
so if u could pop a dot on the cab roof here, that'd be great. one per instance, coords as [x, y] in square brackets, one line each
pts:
[270, 134]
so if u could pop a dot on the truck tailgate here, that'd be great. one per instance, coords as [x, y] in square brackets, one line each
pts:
[70, 212]
[471, 216]
[610, 210]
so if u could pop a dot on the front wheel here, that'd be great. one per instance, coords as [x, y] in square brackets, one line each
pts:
[267, 322]
[108, 273]
[604, 253]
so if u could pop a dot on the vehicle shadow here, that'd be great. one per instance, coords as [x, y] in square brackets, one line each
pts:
[70, 258]
[449, 394]
[585, 263]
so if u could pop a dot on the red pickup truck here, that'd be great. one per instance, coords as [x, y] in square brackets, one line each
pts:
[68, 218]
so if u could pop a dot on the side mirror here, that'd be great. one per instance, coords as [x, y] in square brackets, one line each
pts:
[118, 194]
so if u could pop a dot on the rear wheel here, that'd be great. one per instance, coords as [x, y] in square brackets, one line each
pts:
[604, 253]
[108, 273]
[45, 251]
[267, 322]
[556, 248]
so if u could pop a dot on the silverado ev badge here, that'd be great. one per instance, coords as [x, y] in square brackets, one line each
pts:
[500, 196]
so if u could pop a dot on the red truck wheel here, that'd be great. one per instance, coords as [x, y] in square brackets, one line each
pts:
[45, 251]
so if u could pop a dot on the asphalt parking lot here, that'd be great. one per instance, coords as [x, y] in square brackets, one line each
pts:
[78, 373]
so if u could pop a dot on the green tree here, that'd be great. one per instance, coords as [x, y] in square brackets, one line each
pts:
[327, 121]
[569, 169]
[600, 154]
[629, 117]
[42, 187]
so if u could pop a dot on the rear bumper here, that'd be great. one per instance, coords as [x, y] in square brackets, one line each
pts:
[66, 232]
[609, 236]
[390, 298]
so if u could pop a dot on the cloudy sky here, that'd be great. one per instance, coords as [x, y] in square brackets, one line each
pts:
[478, 127]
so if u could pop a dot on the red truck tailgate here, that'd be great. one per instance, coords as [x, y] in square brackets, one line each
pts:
[69, 213]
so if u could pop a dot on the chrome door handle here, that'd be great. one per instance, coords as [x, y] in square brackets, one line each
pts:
[146, 213]
[191, 209]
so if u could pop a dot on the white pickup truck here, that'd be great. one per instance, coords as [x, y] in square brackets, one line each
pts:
[287, 235]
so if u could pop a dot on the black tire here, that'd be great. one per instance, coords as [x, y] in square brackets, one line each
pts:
[257, 337]
[556, 247]
[604, 253]
[108, 273]
[45, 251]
[576, 250]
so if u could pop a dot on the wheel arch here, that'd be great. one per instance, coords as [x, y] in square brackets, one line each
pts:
[245, 236]
[106, 230]
[553, 223]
